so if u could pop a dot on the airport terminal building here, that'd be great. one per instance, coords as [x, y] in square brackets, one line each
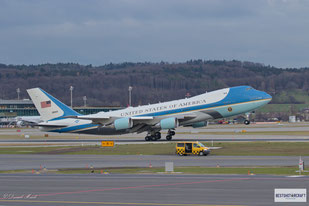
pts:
[25, 107]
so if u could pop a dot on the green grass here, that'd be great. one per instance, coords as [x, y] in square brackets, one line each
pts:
[14, 171]
[286, 96]
[111, 170]
[131, 149]
[262, 148]
[285, 108]
[290, 133]
[191, 170]
[182, 170]
[297, 94]
[229, 170]
[228, 148]
[28, 150]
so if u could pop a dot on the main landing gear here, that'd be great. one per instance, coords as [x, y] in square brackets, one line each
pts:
[170, 135]
[154, 136]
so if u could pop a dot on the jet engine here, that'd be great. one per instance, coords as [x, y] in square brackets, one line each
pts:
[169, 123]
[20, 123]
[200, 124]
[123, 123]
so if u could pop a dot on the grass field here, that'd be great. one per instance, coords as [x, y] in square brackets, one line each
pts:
[227, 148]
[289, 133]
[192, 170]
[297, 94]
[262, 148]
[182, 170]
[286, 108]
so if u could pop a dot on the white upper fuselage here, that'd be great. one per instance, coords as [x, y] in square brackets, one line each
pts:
[161, 109]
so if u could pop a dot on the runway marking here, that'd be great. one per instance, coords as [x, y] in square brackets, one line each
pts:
[110, 203]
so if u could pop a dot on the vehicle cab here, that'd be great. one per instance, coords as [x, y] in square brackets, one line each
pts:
[188, 148]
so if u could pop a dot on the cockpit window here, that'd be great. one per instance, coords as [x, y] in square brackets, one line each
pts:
[249, 88]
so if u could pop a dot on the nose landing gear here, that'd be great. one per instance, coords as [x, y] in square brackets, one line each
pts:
[247, 120]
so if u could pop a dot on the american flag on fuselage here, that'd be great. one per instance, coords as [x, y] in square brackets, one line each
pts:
[46, 104]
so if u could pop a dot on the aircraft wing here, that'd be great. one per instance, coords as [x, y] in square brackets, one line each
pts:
[110, 119]
[183, 118]
[143, 118]
[50, 125]
[140, 123]
[94, 119]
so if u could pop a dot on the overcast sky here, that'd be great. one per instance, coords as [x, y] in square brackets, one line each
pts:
[273, 32]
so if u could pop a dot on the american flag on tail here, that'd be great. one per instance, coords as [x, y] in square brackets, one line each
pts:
[46, 104]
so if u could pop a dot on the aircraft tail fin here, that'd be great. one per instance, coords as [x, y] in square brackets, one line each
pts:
[48, 106]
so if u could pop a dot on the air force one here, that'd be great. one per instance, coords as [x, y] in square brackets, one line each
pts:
[195, 112]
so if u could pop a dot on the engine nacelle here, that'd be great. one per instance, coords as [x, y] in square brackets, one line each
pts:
[169, 123]
[123, 123]
[20, 123]
[200, 124]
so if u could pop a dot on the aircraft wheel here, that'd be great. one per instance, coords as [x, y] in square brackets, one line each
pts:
[246, 122]
[147, 138]
[168, 138]
[158, 135]
[154, 138]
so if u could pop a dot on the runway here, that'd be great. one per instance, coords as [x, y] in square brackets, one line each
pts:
[9, 138]
[144, 190]
[273, 132]
[13, 162]
[70, 142]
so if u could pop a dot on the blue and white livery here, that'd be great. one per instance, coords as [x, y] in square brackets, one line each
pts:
[194, 112]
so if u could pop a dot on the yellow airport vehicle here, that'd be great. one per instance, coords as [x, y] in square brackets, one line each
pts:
[195, 148]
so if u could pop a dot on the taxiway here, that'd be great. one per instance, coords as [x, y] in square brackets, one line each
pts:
[144, 190]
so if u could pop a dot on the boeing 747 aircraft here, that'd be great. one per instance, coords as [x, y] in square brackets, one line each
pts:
[194, 112]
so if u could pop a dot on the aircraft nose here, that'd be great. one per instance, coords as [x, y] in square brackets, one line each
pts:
[266, 96]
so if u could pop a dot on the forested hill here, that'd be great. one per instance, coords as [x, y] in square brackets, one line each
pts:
[152, 82]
